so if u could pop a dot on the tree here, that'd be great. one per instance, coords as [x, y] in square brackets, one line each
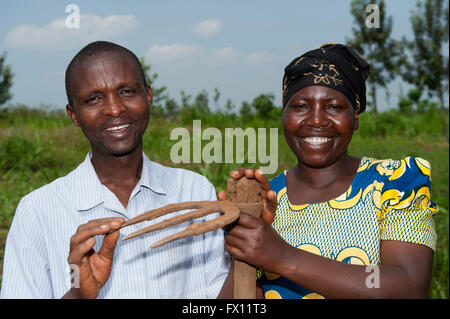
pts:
[185, 99]
[202, 101]
[158, 93]
[216, 97]
[246, 109]
[6, 77]
[427, 67]
[374, 43]
[229, 105]
[263, 104]
[172, 108]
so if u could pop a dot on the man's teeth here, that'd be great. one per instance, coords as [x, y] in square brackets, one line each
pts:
[316, 140]
[115, 128]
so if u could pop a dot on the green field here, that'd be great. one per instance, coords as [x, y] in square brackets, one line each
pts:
[37, 146]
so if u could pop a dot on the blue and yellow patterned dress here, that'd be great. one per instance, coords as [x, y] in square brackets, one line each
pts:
[387, 200]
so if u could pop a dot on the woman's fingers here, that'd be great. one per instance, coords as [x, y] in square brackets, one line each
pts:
[261, 178]
[270, 206]
[222, 195]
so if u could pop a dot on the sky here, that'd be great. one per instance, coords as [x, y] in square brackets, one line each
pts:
[239, 47]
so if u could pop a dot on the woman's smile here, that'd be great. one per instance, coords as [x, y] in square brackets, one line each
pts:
[316, 140]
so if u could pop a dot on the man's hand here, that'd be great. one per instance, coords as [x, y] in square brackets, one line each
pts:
[268, 196]
[94, 267]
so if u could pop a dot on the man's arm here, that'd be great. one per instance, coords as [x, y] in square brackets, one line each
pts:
[25, 265]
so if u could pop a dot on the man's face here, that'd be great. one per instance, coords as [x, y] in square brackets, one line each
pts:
[111, 103]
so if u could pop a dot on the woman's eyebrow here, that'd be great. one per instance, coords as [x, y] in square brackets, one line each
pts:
[325, 98]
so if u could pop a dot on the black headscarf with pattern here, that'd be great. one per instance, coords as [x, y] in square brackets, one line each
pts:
[335, 66]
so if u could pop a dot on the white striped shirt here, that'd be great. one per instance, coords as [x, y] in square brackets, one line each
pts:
[37, 247]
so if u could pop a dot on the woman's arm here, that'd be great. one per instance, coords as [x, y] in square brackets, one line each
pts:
[404, 272]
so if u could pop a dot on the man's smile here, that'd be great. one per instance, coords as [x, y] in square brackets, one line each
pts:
[118, 128]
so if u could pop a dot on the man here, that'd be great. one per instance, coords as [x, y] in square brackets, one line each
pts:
[65, 241]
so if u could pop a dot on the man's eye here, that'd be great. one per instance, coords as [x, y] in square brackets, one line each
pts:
[92, 99]
[127, 91]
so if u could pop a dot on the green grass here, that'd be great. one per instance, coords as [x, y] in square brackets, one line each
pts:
[36, 147]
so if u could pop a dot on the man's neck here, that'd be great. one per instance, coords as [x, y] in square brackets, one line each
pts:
[118, 170]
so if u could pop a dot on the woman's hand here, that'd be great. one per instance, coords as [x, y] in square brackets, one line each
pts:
[255, 242]
[268, 196]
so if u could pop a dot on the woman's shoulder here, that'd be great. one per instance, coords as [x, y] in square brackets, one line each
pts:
[405, 169]
[278, 183]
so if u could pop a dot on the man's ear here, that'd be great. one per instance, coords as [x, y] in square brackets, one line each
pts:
[71, 112]
[149, 96]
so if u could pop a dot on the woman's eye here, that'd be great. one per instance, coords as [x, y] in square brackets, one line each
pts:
[300, 106]
[335, 107]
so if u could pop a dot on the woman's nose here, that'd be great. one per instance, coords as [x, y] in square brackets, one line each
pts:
[318, 117]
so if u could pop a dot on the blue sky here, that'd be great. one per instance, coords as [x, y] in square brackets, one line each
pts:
[240, 47]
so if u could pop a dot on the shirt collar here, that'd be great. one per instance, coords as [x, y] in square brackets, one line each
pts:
[92, 192]
[152, 175]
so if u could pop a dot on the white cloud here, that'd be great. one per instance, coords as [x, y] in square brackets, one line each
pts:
[227, 52]
[191, 54]
[56, 35]
[257, 58]
[170, 52]
[208, 27]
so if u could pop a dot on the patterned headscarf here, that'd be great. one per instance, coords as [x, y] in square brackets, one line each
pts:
[335, 66]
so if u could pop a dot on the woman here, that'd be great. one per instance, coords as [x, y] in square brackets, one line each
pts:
[345, 227]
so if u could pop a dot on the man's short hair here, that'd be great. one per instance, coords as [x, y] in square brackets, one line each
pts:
[96, 48]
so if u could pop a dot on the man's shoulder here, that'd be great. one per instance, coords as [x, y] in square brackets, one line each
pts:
[51, 190]
[180, 184]
[175, 173]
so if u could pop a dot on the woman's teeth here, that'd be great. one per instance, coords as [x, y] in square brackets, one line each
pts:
[315, 140]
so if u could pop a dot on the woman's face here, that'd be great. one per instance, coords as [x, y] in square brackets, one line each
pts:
[318, 125]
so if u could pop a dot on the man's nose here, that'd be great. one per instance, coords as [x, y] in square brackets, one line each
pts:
[114, 106]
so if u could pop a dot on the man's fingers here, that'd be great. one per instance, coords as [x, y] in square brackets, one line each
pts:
[99, 221]
[94, 228]
[77, 254]
[109, 245]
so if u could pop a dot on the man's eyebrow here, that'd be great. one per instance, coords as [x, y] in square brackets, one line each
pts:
[127, 83]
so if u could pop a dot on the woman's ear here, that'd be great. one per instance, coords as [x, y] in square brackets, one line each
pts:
[356, 126]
